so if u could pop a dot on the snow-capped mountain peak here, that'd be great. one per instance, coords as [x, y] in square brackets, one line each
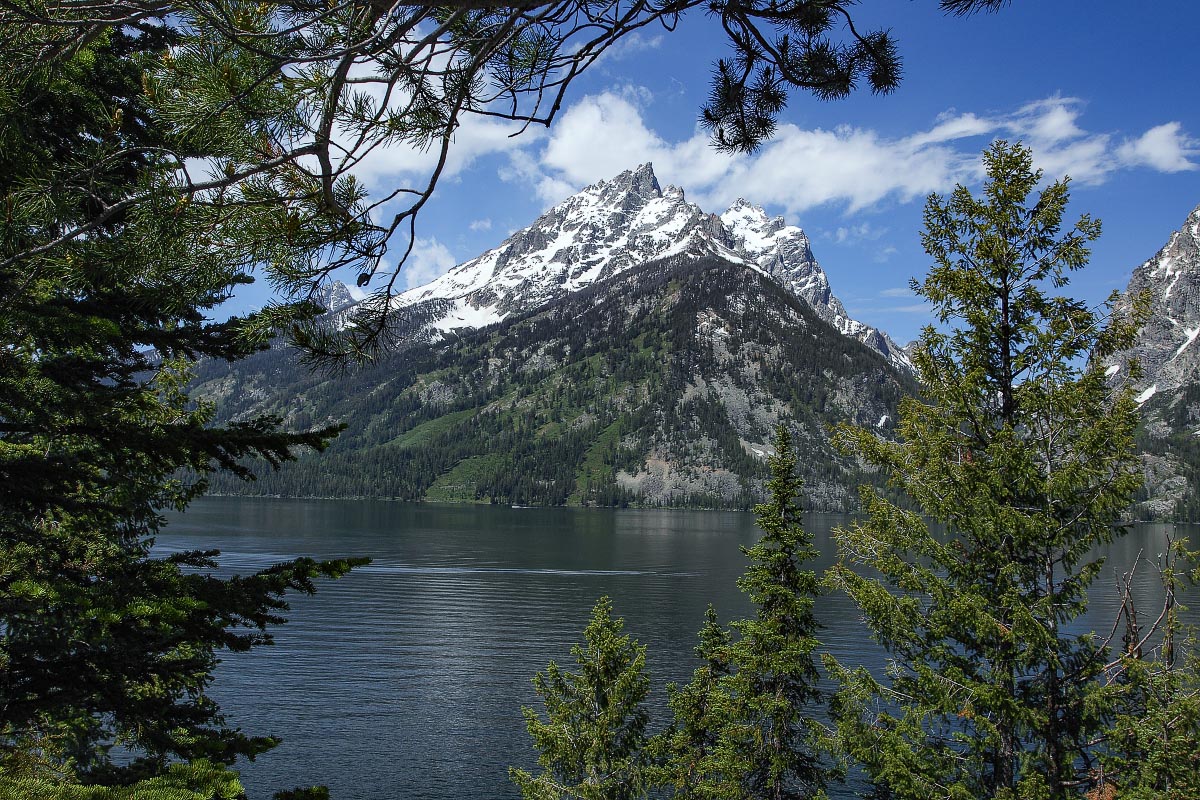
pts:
[614, 225]
[1166, 348]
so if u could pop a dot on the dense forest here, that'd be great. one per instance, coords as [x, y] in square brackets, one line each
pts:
[688, 363]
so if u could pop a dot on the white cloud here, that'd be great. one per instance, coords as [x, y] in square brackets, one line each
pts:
[863, 232]
[884, 254]
[523, 167]
[897, 291]
[388, 164]
[484, 224]
[1049, 121]
[429, 259]
[1165, 148]
[633, 44]
[1060, 146]
[951, 127]
[914, 308]
[599, 137]
[475, 138]
[849, 167]
[604, 134]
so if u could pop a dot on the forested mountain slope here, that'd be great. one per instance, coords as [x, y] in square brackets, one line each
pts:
[659, 385]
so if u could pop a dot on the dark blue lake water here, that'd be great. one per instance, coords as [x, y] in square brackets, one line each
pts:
[405, 679]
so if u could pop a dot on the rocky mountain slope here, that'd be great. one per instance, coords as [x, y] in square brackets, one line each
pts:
[613, 226]
[1168, 387]
[657, 384]
[1166, 349]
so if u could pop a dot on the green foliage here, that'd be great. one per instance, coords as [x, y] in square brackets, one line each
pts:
[198, 780]
[1152, 749]
[743, 726]
[1024, 456]
[106, 649]
[264, 110]
[689, 747]
[592, 745]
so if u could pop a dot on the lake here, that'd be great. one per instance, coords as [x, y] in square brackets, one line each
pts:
[405, 678]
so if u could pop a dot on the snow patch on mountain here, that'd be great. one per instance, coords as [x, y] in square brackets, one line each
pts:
[614, 225]
[1171, 280]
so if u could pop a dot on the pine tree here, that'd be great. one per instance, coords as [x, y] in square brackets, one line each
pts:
[686, 749]
[101, 641]
[285, 101]
[744, 726]
[592, 745]
[1023, 454]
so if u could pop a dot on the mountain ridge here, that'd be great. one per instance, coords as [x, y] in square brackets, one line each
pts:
[614, 225]
[1167, 383]
[659, 385]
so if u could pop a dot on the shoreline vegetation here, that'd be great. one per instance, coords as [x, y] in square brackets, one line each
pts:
[632, 506]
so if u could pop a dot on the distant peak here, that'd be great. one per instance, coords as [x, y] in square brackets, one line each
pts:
[744, 209]
[640, 181]
[744, 216]
[643, 179]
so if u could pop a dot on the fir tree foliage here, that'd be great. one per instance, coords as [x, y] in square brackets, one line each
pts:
[745, 726]
[593, 743]
[1021, 460]
[1152, 750]
[107, 649]
[687, 748]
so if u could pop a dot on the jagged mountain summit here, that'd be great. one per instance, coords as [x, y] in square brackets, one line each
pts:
[625, 348]
[1168, 387]
[1166, 347]
[661, 385]
[335, 297]
[613, 226]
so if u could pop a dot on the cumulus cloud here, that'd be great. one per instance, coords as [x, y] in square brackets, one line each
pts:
[475, 138]
[1165, 148]
[388, 164]
[850, 167]
[429, 259]
[484, 224]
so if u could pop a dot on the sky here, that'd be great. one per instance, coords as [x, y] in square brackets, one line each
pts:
[1104, 92]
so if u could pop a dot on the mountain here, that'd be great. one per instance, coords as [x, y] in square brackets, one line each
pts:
[1168, 387]
[616, 225]
[335, 297]
[626, 347]
[1166, 347]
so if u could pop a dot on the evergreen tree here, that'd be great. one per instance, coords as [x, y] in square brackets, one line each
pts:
[592, 745]
[686, 749]
[1152, 749]
[743, 726]
[101, 642]
[1023, 454]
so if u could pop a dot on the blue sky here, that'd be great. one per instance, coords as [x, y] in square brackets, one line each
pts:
[1103, 91]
